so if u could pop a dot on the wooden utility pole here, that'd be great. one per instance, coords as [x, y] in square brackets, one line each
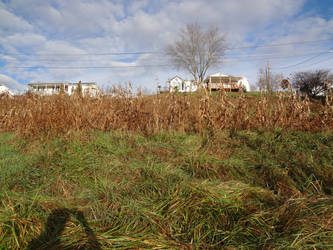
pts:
[269, 89]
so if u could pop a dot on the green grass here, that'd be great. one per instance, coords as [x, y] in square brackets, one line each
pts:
[246, 189]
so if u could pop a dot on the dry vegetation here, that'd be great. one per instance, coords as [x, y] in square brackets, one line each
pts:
[171, 171]
[120, 109]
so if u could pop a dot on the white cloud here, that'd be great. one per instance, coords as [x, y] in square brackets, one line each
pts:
[9, 23]
[134, 6]
[10, 82]
[69, 19]
[30, 41]
[91, 27]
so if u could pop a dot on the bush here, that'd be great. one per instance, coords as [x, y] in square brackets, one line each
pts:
[312, 83]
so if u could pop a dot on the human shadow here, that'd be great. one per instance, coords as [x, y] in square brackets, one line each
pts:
[50, 237]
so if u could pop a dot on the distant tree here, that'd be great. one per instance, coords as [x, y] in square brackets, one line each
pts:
[62, 89]
[312, 83]
[197, 50]
[269, 81]
[78, 90]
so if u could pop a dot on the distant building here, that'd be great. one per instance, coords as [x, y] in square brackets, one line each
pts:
[5, 90]
[226, 82]
[177, 84]
[218, 81]
[48, 88]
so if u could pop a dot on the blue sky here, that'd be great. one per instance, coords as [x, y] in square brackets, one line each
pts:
[66, 40]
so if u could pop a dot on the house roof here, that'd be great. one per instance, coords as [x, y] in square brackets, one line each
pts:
[59, 83]
[219, 74]
[174, 78]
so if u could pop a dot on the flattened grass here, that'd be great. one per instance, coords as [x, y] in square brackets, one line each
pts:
[245, 189]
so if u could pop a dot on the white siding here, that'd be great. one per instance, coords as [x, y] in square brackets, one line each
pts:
[180, 85]
[90, 89]
[245, 83]
[5, 90]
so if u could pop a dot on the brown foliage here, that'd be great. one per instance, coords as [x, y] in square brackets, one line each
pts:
[49, 115]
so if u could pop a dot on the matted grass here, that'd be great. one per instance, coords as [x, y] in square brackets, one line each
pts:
[217, 189]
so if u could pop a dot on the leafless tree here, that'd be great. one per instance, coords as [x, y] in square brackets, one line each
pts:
[312, 83]
[197, 50]
[269, 81]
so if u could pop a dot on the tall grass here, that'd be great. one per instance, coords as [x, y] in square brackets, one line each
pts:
[34, 115]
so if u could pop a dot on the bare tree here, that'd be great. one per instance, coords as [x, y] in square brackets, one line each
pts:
[268, 80]
[197, 50]
[312, 83]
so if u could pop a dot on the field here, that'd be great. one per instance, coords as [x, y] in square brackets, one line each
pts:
[166, 171]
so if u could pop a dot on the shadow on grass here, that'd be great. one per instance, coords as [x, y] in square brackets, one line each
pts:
[50, 237]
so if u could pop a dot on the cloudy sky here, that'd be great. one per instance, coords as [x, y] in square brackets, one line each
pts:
[120, 41]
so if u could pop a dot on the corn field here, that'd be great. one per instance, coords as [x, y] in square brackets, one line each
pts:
[120, 109]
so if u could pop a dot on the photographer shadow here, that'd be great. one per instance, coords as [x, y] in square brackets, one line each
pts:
[50, 237]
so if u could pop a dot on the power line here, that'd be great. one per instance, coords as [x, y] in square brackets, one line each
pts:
[85, 54]
[307, 60]
[169, 65]
[236, 56]
[324, 60]
[272, 56]
[249, 57]
[280, 44]
[91, 67]
[154, 65]
[156, 52]
[275, 54]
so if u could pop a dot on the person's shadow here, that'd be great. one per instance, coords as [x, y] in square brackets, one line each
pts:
[50, 237]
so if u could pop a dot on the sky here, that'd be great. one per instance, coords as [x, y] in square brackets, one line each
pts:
[115, 42]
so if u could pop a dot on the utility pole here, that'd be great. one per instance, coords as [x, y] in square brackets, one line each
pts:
[269, 89]
[158, 84]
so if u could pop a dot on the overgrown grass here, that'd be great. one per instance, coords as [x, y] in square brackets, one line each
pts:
[122, 189]
[33, 115]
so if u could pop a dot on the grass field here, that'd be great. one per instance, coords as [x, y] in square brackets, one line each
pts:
[190, 182]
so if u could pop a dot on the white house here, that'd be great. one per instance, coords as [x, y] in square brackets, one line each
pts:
[224, 81]
[178, 84]
[5, 90]
[213, 82]
[88, 88]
